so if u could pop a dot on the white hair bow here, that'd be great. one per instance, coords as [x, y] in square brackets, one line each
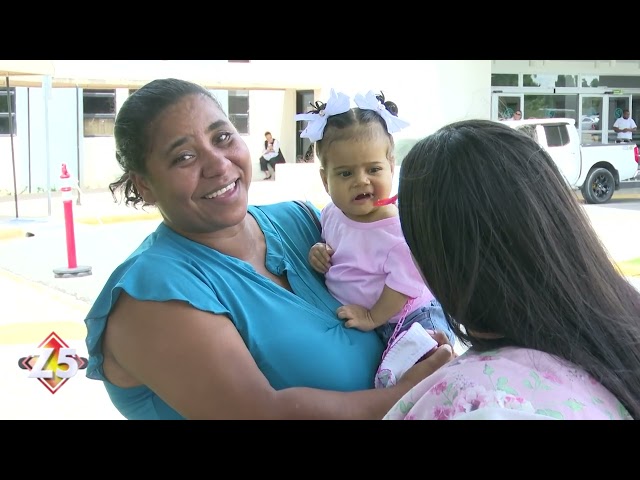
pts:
[337, 103]
[371, 102]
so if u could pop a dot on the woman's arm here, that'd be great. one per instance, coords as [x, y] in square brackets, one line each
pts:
[198, 363]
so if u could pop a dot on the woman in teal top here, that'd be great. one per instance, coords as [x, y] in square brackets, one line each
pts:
[217, 314]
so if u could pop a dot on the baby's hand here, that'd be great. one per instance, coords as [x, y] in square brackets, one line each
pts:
[320, 257]
[356, 317]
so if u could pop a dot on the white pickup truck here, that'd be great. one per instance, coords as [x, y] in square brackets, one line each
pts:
[596, 170]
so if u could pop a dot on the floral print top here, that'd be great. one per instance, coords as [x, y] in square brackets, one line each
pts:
[524, 380]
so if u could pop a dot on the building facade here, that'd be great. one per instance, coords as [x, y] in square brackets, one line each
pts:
[594, 93]
[68, 115]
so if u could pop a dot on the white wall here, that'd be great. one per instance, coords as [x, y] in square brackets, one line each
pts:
[429, 93]
[564, 67]
[35, 152]
[20, 148]
[270, 111]
[99, 162]
[6, 166]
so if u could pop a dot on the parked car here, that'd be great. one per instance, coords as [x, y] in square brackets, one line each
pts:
[595, 169]
[590, 122]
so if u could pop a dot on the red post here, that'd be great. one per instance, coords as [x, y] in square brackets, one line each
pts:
[72, 270]
[68, 217]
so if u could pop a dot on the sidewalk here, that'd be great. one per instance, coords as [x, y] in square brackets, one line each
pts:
[30, 313]
[96, 206]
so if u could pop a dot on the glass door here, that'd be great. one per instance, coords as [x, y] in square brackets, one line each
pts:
[591, 118]
[504, 105]
[597, 115]
[616, 104]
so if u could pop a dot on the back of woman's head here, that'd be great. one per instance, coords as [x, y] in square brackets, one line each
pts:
[131, 130]
[504, 245]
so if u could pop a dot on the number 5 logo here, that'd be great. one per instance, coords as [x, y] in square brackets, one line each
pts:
[65, 357]
[54, 364]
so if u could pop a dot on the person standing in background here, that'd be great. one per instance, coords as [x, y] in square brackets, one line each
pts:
[624, 127]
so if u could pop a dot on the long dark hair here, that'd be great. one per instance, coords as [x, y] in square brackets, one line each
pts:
[506, 248]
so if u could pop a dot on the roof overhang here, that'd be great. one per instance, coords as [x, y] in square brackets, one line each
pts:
[73, 74]
[11, 68]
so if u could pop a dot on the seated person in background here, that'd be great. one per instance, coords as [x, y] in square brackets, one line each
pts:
[271, 156]
[552, 325]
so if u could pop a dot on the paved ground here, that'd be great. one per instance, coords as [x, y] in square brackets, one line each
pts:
[44, 310]
[35, 304]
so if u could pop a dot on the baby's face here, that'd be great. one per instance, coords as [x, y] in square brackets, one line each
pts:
[356, 174]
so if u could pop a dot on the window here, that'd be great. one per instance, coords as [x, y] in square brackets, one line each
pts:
[557, 135]
[627, 81]
[549, 80]
[4, 111]
[504, 79]
[239, 110]
[551, 106]
[99, 111]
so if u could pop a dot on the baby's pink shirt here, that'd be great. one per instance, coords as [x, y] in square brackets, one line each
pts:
[368, 256]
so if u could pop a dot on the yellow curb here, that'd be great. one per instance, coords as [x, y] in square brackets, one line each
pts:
[118, 218]
[8, 233]
[625, 196]
[617, 195]
[35, 332]
[630, 268]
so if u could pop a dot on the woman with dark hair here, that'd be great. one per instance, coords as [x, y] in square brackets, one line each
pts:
[553, 327]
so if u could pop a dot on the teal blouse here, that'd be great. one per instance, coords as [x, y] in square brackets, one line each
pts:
[295, 337]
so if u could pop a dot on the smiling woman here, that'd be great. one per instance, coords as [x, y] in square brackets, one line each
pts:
[221, 288]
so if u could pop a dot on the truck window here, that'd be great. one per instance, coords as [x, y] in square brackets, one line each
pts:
[557, 135]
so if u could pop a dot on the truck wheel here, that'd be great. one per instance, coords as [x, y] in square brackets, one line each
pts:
[599, 186]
